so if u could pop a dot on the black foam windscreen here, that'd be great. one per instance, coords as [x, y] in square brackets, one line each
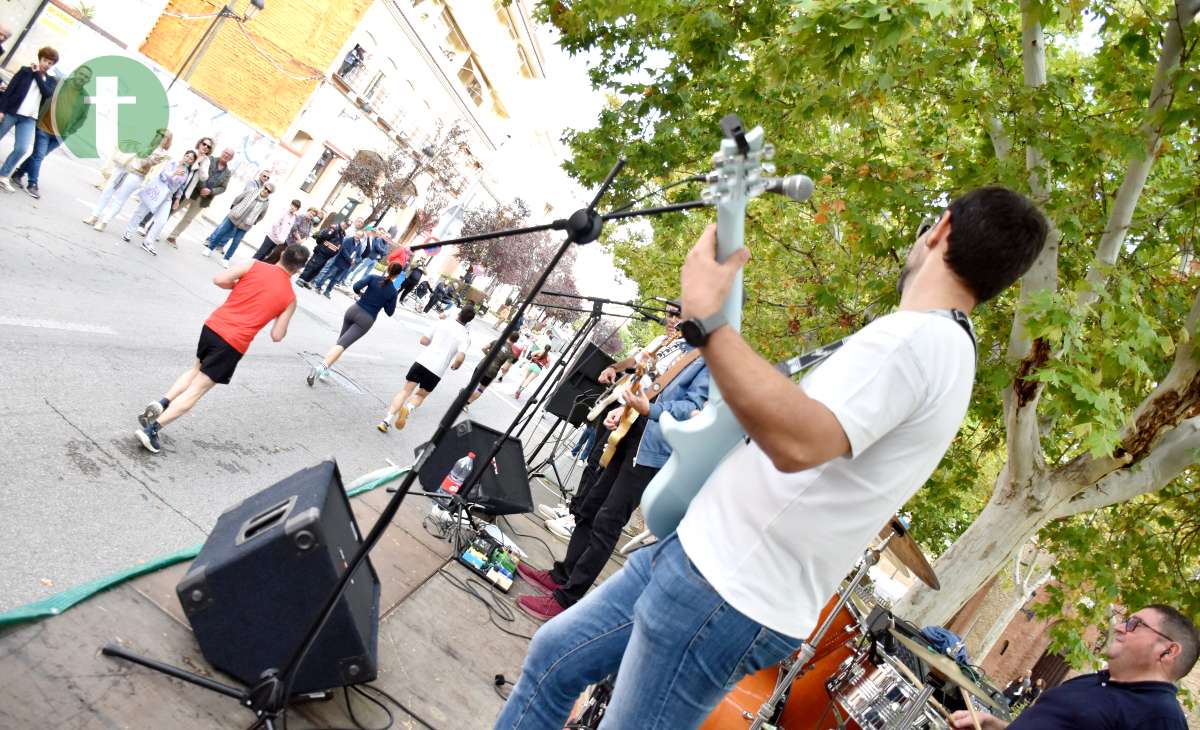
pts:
[503, 488]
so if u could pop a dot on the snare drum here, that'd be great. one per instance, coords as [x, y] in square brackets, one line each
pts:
[875, 696]
[808, 700]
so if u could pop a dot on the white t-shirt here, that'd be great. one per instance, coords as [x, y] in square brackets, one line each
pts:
[776, 546]
[447, 338]
[32, 101]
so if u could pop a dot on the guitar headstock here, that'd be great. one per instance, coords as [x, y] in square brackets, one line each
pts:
[741, 168]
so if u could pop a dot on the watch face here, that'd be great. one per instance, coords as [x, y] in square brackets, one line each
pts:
[692, 333]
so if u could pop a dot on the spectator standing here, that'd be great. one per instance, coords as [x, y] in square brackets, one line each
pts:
[196, 176]
[329, 242]
[281, 232]
[375, 247]
[248, 209]
[59, 116]
[340, 264]
[20, 105]
[132, 171]
[155, 195]
[301, 230]
[200, 190]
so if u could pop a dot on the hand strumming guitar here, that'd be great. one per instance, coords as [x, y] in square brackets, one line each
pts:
[613, 418]
[637, 401]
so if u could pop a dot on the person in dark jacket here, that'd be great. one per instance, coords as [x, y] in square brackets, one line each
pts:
[59, 117]
[329, 242]
[415, 274]
[340, 264]
[441, 292]
[375, 247]
[374, 293]
[19, 108]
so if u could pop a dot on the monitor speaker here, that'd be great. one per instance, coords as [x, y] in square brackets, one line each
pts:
[503, 489]
[263, 574]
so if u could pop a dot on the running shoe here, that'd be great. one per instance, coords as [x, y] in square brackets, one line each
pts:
[551, 513]
[383, 427]
[7, 184]
[33, 192]
[100, 225]
[312, 377]
[149, 438]
[562, 528]
[90, 220]
[149, 248]
[150, 414]
[18, 182]
[126, 237]
[402, 418]
[225, 263]
[207, 253]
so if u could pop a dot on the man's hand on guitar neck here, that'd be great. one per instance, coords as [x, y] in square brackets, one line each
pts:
[705, 281]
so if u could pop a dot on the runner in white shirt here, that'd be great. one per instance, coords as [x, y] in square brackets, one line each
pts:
[782, 519]
[445, 347]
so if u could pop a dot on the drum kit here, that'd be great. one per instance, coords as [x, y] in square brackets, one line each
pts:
[862, 669]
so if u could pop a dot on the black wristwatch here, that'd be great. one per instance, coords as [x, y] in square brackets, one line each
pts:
[697, 331]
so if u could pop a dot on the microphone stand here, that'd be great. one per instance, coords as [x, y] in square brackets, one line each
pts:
[269, 697]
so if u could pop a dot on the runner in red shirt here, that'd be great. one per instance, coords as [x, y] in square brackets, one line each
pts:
[260, 293]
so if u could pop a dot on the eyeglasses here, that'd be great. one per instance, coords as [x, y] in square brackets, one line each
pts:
[676, 315]
[1132, 623]
[206, 145]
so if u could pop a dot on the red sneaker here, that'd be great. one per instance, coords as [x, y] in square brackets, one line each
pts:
[542, 608]
[539, 579]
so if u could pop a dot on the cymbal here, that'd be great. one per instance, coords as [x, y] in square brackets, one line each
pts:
[945, 667]
[905, 549]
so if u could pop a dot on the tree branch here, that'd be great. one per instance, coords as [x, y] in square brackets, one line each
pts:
[1162, 93]
[1174, 453]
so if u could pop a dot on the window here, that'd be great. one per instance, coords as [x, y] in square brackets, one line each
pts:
[318, 169]
[471, 82]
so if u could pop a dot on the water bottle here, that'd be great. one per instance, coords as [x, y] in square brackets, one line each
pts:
[454, 480]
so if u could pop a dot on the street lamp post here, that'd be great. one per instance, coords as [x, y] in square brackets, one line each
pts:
[210, 33]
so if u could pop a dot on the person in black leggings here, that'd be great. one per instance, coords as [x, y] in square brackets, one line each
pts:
[375, 293]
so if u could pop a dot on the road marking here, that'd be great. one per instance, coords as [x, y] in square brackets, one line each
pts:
[53, 324]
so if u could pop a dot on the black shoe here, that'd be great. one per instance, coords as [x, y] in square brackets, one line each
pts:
[327, 296]
[33, 192]
[302, 283]
[19, 183]
[312, 377]
[149, 438]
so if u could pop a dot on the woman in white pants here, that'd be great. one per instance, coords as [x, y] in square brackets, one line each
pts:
[156, 196]
[131, 171]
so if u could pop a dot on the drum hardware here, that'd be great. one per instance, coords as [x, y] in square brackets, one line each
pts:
[808, 648]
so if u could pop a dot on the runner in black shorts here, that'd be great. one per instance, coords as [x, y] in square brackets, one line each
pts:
[506, 356]
[217, 357]
[445, 348]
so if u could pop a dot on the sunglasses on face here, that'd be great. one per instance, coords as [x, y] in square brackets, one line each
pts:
[1132, 623]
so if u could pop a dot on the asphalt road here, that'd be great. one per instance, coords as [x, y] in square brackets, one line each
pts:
[91, 329]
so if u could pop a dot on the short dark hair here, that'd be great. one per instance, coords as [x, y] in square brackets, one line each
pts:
[294, 257]
[995, 236]
[514, 337]
[1181, 629]
[297, 204]
[48, 53]
[466, 314]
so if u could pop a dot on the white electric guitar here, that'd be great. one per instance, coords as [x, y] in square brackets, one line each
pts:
[701, 442]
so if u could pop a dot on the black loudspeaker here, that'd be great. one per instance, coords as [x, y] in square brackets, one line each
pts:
[265, 571]
[580, 388]
[504, 487]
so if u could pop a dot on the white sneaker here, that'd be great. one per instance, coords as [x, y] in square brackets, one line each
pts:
[562, 527]
[225, 263]
[558, 511]
[207, 253]
[126, 237]
[149, 248]
[100, 225]
[90, 220]
[6, 183]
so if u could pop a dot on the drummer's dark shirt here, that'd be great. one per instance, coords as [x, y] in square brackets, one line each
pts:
[1094, 702]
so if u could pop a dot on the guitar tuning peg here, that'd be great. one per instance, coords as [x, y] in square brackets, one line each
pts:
[768, 152]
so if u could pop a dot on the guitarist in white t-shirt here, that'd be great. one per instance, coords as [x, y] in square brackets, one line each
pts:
[781, 521]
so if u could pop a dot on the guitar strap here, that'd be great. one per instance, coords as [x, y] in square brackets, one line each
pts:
[662, 381]
[800, 363]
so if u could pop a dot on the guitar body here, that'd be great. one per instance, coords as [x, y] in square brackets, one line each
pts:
[699, 444]
[628, 417]
[610, 396]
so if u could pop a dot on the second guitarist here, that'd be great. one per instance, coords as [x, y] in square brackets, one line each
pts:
[605, 508]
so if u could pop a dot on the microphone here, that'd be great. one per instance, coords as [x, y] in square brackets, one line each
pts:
[646, 317]
[796, 187]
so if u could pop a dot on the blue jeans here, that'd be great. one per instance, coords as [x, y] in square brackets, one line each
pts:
[331, 274]
[23, 139]
[363, 268]
[43, 144]
[678, 646]
[226, 232]
[586, 439]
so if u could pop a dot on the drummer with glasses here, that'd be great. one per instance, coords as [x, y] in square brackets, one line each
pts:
[1149, 651]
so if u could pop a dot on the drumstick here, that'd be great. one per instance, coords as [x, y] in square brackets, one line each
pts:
[970, 707]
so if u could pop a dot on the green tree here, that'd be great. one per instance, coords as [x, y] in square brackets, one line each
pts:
[1084, 426]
